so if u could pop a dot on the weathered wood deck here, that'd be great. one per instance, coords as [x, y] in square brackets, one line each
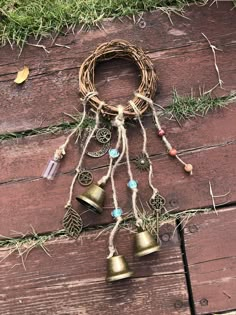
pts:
[195, 271]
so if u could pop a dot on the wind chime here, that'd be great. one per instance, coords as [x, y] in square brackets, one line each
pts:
[93, 198]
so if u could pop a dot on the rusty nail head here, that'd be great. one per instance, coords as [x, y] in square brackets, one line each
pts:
[193, 228]
[204, 302]
[178, 304]
[142, 24]
[165, 237]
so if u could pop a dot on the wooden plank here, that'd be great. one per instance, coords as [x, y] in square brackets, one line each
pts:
[72, 280]
[211, 255]
[40, 203]
[181, 56]
[25, 159]
[159, 34]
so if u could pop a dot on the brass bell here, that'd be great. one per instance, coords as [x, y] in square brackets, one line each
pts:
[117, 268]
[145, 244]
[93, 198]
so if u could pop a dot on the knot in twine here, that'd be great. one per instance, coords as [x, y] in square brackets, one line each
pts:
[59, 153]
[119, 119]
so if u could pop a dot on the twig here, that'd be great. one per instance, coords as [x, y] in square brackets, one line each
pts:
[217, 196]
[65, 46]
[39, 46]
[214, 48]
[212, 198]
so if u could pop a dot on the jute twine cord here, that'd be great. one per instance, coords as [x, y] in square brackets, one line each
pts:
[78, 168]
[119, 123]
[120, 117]
[134, 190]
[158, 125]
[119, 49]
[144, 150]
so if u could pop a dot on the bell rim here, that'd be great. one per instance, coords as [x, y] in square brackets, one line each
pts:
[120, 276]
[97, 208]
[148, 251]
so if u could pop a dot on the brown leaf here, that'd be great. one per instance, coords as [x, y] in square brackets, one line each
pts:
[22, 75]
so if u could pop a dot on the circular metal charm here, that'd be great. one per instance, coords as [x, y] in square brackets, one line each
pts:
[157, 203]
[103, 135]
[85, 178]
[142, 163]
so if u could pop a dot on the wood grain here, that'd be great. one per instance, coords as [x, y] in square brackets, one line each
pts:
[72, 280]
[181, 55]
[25, 159]
[211, 255]
[40, 203]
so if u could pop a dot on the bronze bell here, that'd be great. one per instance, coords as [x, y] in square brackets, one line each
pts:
[93, 198]
[117, 269]
[145, 244]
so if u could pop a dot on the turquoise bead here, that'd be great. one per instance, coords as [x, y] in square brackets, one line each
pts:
[114, 153]
[117, 212]
[132, 184]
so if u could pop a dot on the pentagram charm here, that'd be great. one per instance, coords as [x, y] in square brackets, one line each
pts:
[142, 163]
[85, 178]
[103, 135]
[157, 203]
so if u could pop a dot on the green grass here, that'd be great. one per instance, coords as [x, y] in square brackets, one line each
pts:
[65, 126]
[187, 107]
[38, 131]
[20, 19]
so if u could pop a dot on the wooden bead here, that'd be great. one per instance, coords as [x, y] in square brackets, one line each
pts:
[188, 168]
[172, 152]
[161, 133]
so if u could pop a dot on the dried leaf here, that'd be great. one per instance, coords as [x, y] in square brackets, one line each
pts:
[22, 75]
[72, 222]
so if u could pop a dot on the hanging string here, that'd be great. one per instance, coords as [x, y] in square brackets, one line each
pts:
[78, 168]
[118, 122]
[61, 151]
[112, 249]
[172, 151]
[144, 150]
[106, 177]
[134, 189]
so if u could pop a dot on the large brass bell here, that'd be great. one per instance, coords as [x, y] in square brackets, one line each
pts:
[117, 268]
[145, 244]
[93, 198]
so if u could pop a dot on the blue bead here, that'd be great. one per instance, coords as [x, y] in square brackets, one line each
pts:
[117, 212]
[132, 184]
[114, 153]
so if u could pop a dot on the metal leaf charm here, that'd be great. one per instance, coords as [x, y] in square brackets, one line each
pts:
[72, 222]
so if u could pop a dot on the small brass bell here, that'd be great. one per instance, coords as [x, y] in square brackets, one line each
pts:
[145, 244]
[93, 198]
[117, 269]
